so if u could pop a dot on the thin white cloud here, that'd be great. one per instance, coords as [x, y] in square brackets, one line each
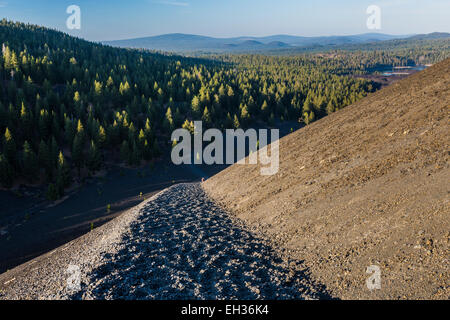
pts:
[3, 4]
[173, 3]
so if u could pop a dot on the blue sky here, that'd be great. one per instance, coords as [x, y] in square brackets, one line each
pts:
[120, 19]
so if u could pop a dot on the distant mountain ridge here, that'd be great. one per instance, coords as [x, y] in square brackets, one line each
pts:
[429, 36]
[179, 42]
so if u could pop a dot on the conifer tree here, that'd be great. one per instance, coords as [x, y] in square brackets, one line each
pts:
[101, 137]
[52, 192]
[168, 122]
[264, 108]
[30, 162]
[206, 118]
[124, 151]
[245, 116]
[147, 151]
[63, 170]
[77, 152]
[9, 146]
[44, 159]
[6, 172]
[195, 105]
[69, 131]
[236, 123]
[94, 158]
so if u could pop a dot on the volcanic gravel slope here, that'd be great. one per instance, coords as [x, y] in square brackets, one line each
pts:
[176, 245]
[367, 185]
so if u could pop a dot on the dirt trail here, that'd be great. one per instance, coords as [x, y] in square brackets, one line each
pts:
[177, 245]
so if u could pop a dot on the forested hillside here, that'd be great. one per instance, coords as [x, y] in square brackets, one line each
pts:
[66, 104]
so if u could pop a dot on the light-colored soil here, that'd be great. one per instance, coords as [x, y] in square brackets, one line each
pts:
[368, 185]
[176, 245]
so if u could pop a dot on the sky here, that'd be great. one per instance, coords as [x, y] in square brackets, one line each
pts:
[123, 19]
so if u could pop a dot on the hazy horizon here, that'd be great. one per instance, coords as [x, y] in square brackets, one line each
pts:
[115, 19]
[270, 35]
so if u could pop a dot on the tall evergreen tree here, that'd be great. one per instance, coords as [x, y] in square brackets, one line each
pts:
[6, 172]
[63, 170]
[44, 159]
[94, 158]
[78, 152]
[30, 162]
[9, 146]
